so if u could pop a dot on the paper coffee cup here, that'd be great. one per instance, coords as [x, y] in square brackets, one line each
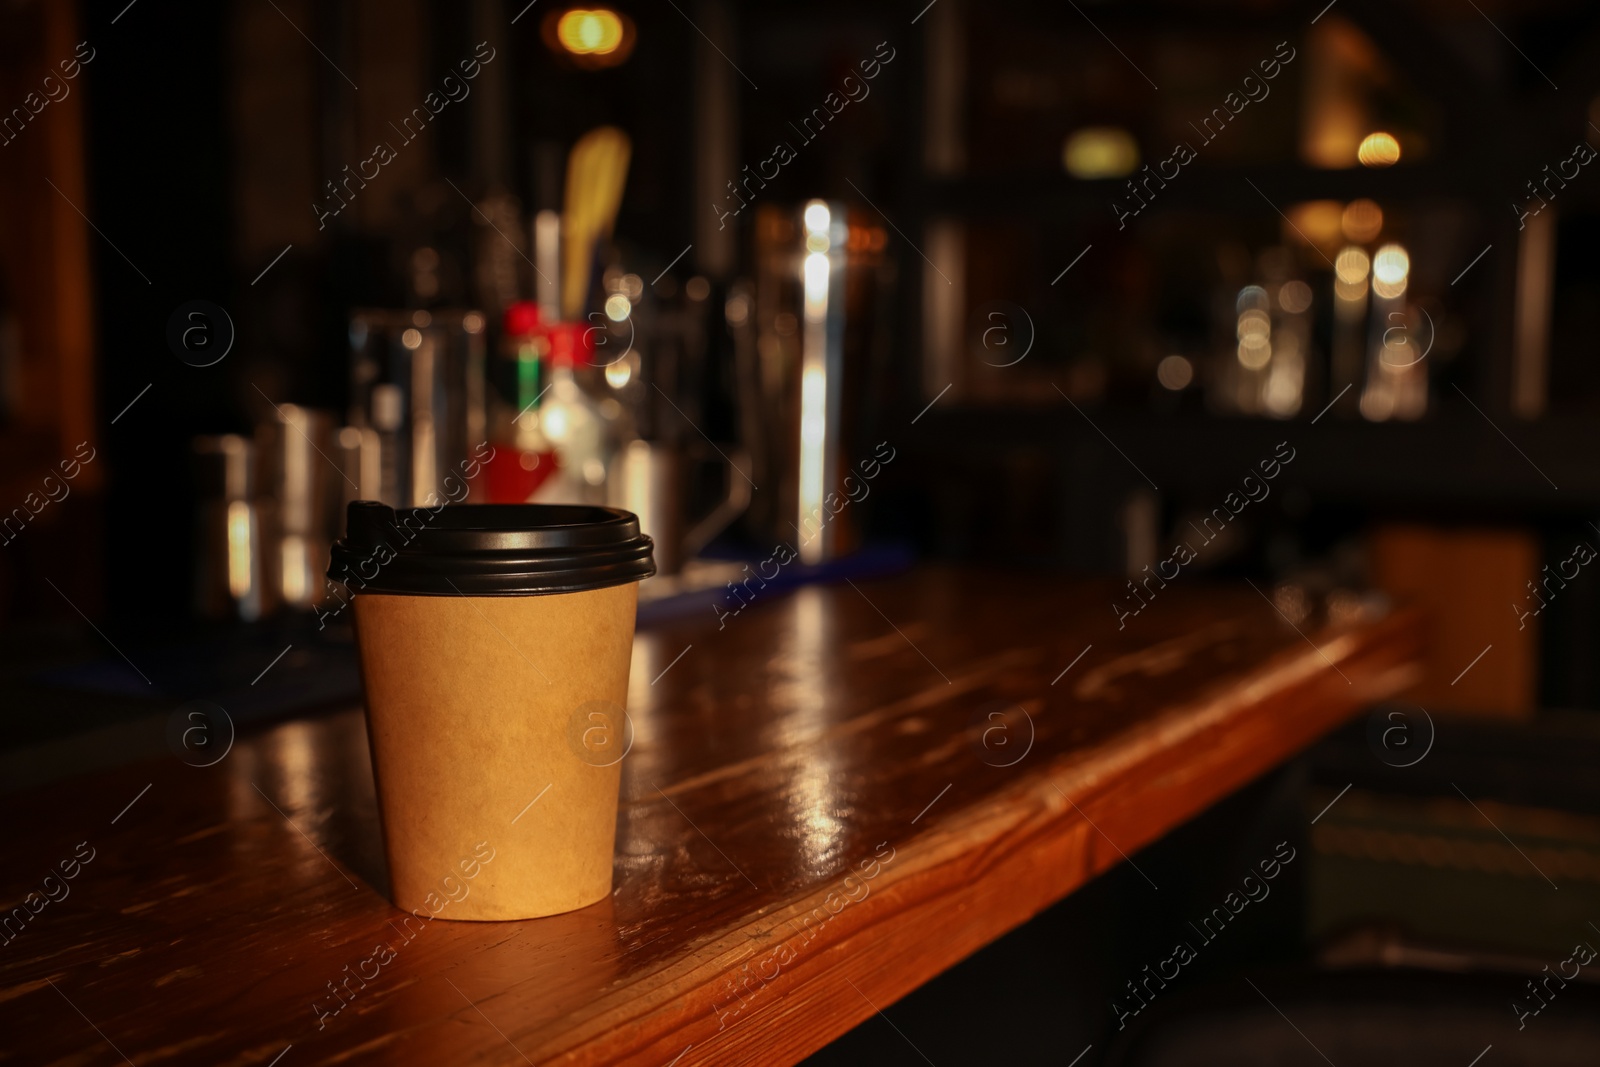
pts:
[495, 642]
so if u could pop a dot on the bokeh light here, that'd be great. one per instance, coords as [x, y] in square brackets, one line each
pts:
[1351, 266]
[1100, 152]
[1175, 372]
[1378, 149]
[1362, 220]
[1390, 267]
[1294, 297]
[590, 32]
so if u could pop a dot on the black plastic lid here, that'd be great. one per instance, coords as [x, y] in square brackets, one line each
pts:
[489, 549]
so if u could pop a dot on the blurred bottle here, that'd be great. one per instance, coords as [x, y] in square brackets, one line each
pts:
[387, 415]
[578, 424]
[295, 498]
[524, 458]
[228, 560]
[417, 380]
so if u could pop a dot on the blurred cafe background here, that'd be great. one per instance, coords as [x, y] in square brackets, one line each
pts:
[1060, 276]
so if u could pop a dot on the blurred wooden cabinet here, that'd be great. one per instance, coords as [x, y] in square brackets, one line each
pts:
[45, 292]
[1483, 658]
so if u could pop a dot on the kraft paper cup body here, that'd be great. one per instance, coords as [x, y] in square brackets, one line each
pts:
[495, 642]
[477, 709]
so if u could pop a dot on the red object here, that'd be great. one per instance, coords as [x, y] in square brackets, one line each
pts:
[508, 478]
[522, 318]
[570, 343]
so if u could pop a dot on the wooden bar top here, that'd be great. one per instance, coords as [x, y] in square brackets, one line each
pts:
[831, 797]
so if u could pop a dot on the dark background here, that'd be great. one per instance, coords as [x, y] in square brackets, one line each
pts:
[1023, 476]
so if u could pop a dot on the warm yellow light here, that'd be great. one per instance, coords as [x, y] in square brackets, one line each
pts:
[1294, 297]
[619, 373]
[1174, 372]
[1100, 152]
[1351, 266]
[1285, 385]
[292, 561]
[817, 217]
[1255, 338]
[1390, 267]
[1255, 356]
[816, 276]
[1362, 220]
[618, 307]
[813, 447]
[816, 286]
[556, 425]
[1377, 405]
[586, 32]
[241, 547]
[1378, 149]
[1254, 327]
[1314, 221]
[813, 420]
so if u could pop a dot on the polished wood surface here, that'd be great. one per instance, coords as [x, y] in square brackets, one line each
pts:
[830, 799]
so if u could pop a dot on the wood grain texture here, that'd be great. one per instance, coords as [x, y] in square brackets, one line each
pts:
[814, 821]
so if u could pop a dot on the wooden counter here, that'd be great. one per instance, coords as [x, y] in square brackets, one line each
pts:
[831, 799]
